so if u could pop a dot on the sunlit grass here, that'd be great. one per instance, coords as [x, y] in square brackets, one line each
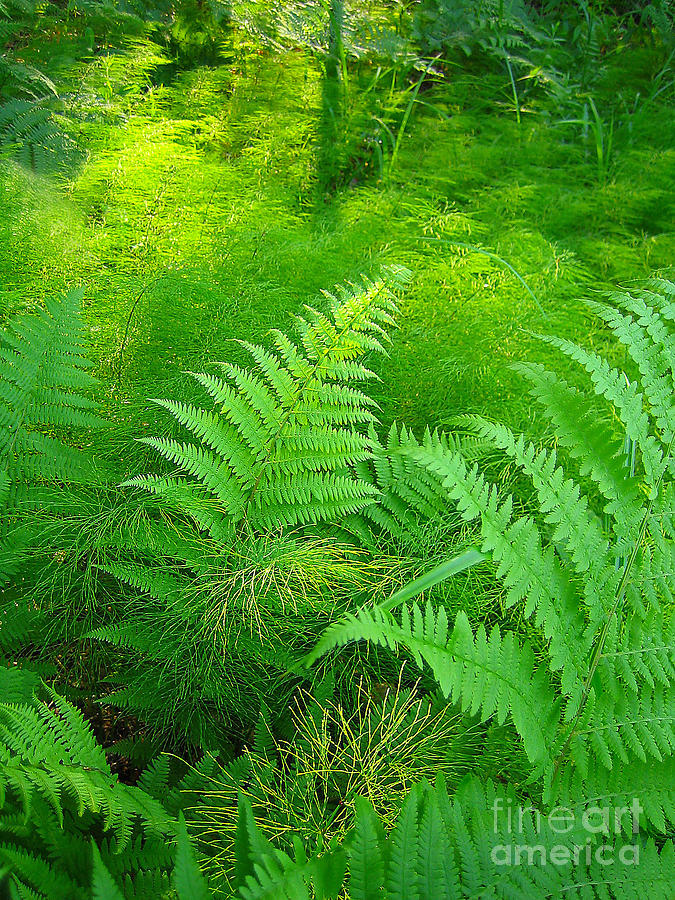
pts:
[194, 221]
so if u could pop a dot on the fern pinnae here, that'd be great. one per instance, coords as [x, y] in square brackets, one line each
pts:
[52, 762]
[486, 675]
[224, 468]
[256, 395]
[564, 507]
[368, 624]
[625, 397]
[651, 314]
[44, 378]
[608, 623]
[176, 493]
[320, 354]
[157, 583]
[210, 469]
[367, 865]
[402, 875]
[437, 877]
[591, 443]
[276, 375]
[37, 871]
[219, 436]
[616, 662]
[408, 492]
[529, 571]
[651, 347]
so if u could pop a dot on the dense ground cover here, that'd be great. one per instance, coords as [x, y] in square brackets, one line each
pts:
[202, 179]
[199, 194]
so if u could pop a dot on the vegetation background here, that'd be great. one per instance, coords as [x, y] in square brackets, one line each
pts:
[273, 635]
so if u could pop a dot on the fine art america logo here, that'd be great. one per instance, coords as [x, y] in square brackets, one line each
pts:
[584, 835]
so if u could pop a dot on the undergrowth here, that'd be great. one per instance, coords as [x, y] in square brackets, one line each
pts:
[336, 431]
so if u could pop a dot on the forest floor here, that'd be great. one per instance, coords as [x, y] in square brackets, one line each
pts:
[193, 220]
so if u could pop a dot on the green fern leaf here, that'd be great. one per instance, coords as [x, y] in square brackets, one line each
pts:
[188, 880]
[282, 443]
[402, 864]
[103, 884]
[366, 862]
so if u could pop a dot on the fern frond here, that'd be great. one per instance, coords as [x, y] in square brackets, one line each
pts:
[487, 675]
[593, 443]
[44, 396]
[625, 397]
[599, 592]
[566, 510]
[408, 493]
[103, 885]
[281, 444]
[56, 785]
[265, 872]
[530, 571]
[366, 857]
[31, 132]
[471, 846]
[188, 881]
[652, 347]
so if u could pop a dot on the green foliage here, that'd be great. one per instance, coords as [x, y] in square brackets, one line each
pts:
[29, 132]
[221, 581]
[200, 643]
[437, 849]
[45, 387]
[45, 382]
[306, 786]
[407, 493]
[598, 595]
[188, 881]
[277, 449]
[267, 872]
[495, 676]
[466, 26]
[234, 158]
[28, 128]
[57, 790]
[510, 32]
